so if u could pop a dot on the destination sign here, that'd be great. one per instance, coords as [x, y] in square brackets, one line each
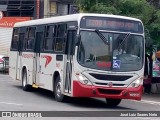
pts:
[113, 24]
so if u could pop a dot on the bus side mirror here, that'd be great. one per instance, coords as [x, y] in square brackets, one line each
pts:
[77, 40]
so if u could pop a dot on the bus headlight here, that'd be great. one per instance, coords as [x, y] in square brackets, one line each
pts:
[136, 83]
[83, 79]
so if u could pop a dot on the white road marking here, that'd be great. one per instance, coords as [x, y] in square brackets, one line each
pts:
[147, 118]
[10, 103]
[149, 102]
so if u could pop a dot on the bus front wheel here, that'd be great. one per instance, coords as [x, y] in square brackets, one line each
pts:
[58, 90]
[113, 102]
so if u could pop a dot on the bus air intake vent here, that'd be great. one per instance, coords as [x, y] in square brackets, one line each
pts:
[110, 92]
[110, 77]
[107, 84]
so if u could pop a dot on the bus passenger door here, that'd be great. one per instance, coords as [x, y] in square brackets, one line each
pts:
[37, 50]
[19, 56]
[70, 47]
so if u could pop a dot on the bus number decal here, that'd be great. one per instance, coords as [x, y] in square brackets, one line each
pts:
[104, 64]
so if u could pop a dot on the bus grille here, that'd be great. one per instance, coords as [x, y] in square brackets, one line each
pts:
[110, 77]
[105, 91]
[97, 83]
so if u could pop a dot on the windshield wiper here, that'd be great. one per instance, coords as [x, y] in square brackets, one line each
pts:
[125, 38]
[102, 37]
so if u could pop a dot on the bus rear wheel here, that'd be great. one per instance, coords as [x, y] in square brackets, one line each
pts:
[58, 91]
[25, 85]
[113, 102]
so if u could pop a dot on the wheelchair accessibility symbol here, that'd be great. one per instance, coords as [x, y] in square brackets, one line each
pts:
[116, 64]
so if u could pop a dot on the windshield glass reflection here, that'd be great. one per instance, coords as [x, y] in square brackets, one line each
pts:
[124, 53]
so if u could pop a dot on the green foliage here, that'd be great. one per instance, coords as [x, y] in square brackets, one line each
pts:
[104, 9]
[149, 14]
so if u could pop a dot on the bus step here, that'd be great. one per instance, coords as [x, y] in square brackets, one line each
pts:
[34, 86]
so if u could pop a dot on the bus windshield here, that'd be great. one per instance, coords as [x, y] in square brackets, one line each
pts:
[123, 53]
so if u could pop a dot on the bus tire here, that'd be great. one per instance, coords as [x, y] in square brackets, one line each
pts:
[25, 85]
[113, 102]
[57, 91]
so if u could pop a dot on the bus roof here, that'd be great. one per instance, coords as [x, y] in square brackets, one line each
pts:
[65, 18]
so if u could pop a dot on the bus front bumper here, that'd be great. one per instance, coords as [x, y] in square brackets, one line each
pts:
[80, 90]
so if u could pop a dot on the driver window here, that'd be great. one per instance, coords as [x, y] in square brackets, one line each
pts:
[15, 39]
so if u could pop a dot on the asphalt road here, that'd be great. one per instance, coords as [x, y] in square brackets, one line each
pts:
[13, 98]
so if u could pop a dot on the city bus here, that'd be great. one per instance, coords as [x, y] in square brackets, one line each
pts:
[80, 55]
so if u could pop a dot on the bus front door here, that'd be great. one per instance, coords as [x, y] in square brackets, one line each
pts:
[19, 56]
[37, 50]
[69, 64]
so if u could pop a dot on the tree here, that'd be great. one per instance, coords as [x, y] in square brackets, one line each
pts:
[97, 6]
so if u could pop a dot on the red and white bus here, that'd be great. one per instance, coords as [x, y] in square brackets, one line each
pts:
[80, 55]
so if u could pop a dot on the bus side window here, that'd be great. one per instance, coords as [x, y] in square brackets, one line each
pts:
[25, 40]
[29, 39]
[49, 41]
[15, 39]
[61, 38]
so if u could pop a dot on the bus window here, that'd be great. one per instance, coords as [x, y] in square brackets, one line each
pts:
[49, 34]
[21, 38]
[61, 37]
[29, 38]
[15, 38]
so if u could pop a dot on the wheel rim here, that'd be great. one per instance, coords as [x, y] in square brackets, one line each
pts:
[58, 89]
